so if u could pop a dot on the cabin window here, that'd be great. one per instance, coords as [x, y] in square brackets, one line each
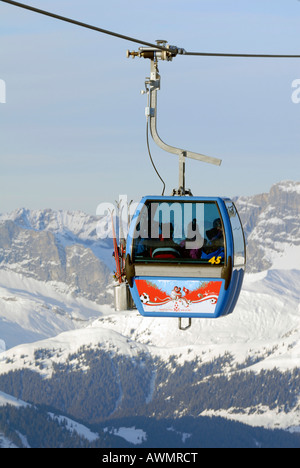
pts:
[179, 232]
[238, 235]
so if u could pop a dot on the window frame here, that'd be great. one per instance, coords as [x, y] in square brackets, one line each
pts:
[182, 261]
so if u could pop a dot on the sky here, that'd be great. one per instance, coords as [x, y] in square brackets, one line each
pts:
[73, 125]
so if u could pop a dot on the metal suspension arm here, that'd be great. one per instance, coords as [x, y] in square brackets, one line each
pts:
[154, 87]
[151, 113]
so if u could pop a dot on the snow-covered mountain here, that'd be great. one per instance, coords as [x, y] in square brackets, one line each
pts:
[31, 310]
[54, 273]
[272, 226]
[45, 322]
[58, 247]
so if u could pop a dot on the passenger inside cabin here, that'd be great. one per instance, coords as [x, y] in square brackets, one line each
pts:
[191, 247]
[214, 247]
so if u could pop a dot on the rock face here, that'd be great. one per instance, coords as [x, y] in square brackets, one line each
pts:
[271, 223]
[58, 247]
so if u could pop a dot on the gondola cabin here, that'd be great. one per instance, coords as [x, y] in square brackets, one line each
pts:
[185, 257]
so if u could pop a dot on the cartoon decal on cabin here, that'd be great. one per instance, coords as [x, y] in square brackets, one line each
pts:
[179, 295]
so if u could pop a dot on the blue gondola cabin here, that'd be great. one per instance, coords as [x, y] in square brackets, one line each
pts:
[185, 257]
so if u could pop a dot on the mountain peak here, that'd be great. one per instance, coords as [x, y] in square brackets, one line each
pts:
[272, 225]
[291, 186]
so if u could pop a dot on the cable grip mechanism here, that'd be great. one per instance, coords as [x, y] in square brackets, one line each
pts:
[163, 51]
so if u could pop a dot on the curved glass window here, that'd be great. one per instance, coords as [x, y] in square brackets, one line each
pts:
[238, 235]
[179, 232]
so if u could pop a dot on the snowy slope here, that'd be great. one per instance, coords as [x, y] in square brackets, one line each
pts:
[267, 315]
[265, 325]
[130, 434]
[69, 424]
[31, 310]
[6, 443]
[10, 400]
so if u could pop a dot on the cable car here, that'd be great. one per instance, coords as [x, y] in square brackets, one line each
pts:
[185, 257]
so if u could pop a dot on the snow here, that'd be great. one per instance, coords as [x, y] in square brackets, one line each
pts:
[6, 443]
[261, 417]
[67, 343]
[31, 310]
[68, 223]
[184, 435]
[74, 426]
[71, 425]
[69, 228]
[267, 315]
[289, 259]
[10, 400]
[289, 186]
[265, 324]
[130, 434]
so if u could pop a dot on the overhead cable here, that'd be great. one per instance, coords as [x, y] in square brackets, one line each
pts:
[81, 24]
[138, 41]
[215, 54]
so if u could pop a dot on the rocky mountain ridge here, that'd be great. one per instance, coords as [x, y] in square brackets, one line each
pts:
[57, 247]
[271, 223]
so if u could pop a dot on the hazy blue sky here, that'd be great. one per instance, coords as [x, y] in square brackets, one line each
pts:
[72, 130]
